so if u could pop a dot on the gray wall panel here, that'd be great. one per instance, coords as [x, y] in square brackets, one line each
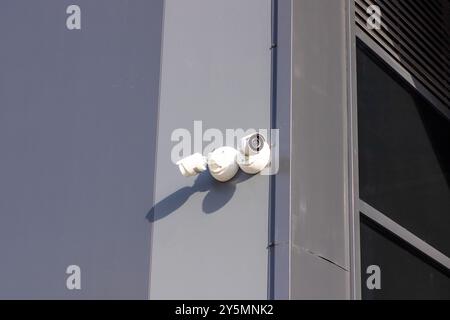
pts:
[77, 139]
[319, 206]
[319, 278]
[209, 239]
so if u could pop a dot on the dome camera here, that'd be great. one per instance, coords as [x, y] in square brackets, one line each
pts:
[252, 144]
[254, 153]
[222, 163]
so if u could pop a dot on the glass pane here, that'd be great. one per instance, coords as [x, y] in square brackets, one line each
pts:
[405, 273]
[404, 153]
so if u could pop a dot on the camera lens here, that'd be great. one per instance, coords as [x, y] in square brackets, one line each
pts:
[256, 142]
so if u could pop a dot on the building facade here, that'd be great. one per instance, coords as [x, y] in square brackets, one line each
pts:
[97, 97]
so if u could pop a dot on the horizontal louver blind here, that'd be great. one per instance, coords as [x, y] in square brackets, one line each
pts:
[416, 34]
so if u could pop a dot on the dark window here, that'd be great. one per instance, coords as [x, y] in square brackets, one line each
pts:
[404, 153]
[405, 272]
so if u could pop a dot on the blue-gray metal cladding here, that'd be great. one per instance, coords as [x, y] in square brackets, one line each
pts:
[210, 238]
[77, 142]
[319, 167]
[280, 183]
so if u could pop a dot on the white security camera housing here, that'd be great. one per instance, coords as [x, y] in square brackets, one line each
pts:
[254, 153]
[192, 165]
[222, 163]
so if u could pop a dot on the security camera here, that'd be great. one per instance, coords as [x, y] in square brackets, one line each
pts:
[192, 165]
[252, 144]
[254, 153]
[222, 163]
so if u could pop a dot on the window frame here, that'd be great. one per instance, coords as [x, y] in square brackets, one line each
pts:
[354, 35]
